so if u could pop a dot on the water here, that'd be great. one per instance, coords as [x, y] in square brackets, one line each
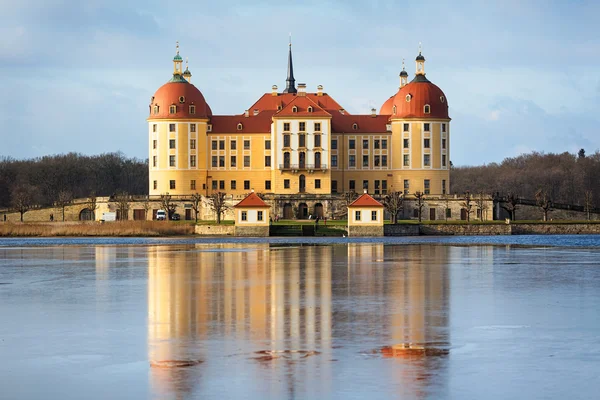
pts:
[461, 318]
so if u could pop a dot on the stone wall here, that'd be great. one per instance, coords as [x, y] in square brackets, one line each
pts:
[220, 230]
[555, 229]
[354, 231]
[465, 229]
[258, 231]
[401, 230]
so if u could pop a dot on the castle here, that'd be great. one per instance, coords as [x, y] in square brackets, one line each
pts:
[297, 144]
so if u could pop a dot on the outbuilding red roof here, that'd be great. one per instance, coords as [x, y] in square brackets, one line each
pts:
[365, 201]
[343, 123]
[252, 200]
[260, 123]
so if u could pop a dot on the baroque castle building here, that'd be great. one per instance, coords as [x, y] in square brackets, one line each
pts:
[297, 142]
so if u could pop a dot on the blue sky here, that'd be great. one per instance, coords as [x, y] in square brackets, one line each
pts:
[519, 75]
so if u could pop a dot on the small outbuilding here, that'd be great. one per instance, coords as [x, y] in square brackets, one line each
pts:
[365, 217]
[252, 216]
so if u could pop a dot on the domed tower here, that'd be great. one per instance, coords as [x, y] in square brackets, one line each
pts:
[420, 134]
[177, 127]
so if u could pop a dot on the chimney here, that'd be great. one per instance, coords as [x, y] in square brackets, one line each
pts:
[247, 113]
[320, 90]
[365, 191]
[302, 89]
[373, 112]
[274, 90]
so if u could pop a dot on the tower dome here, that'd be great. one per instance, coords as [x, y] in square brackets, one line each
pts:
[178, 98]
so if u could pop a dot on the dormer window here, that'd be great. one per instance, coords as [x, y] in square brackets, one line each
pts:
[239, 127]
[408, 98]
[181, 99]
[172, 109]
[442, 99]
[192, 109]
[294, 109]
[426, 109]
[394, 110]
[355, 126]
[279, 107]
[156, 110]
[209, 128]
[310, 109]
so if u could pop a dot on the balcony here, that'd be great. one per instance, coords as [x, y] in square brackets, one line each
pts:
[302, 167]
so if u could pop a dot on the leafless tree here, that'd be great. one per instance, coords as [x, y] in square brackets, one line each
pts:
[481, 205]
[23, 198]
[349, 197]
[63, 199]
[196, 203]
[394, 202]
[544, 202]
[588, 203]
[512, 205]
[167, 205]
[446, 199]
[92, 204]
[467, 205]
[146, 206]
[420, 198]
[123, 200]
[216, 202]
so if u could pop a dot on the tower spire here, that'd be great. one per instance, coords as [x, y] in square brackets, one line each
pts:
[290, 82]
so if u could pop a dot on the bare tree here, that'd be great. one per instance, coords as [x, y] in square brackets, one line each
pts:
[420, 197]
[123, 200]
[446, 198]
[63, 199]
[146, 206]
[512, 205]
[92, 204]
[588, 203]
[467, 205]
[196, 202]
[544, 202]
[393, 202]
[23, 198]
[167, 205]
[216, 202]
[349, 198]
[481, 205]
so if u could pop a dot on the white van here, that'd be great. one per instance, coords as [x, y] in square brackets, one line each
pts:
[109, 216]
[161, 215]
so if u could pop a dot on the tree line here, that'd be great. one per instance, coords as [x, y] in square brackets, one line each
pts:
[560, 178]
[52, 179]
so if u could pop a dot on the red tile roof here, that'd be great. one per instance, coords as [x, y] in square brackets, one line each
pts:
[252, 200]
[276, 103]
[302, 104]
[343, 123]
[365, 201]
[170, 93]
[422, 92]
[260, 123]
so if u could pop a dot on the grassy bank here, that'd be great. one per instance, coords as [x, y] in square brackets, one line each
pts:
[125, 228]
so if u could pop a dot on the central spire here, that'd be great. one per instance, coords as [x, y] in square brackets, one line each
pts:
[290, 85]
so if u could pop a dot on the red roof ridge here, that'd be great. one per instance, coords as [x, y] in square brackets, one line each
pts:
[365, 200]
[252, 200]
[302, 103]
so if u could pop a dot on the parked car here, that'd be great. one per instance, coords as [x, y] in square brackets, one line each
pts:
[175, 217]
[161, 215]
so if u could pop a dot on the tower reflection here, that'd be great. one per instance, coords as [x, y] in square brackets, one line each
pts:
[279, 318]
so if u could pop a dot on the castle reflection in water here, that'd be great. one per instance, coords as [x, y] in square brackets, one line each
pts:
[206, 302]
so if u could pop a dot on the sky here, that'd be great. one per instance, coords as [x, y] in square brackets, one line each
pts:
[519, 76]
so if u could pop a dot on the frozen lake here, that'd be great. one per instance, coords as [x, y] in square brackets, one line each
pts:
[458, 317]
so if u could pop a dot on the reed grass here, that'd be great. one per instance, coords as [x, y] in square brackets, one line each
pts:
[119, 228]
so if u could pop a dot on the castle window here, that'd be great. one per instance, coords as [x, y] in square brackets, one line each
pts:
[406, 161]
[286, 140]
[351, 144]
[334, 144]
[426, 109]
[442, 99]
[267, 145]
[221, 145]
[309, 109]
[317, 184]
[172, 109]
[373, 215]
[172, 184]
[171, 143]
[171, 127]
[209, 128]
[192, 109]
[443, 160]
[301, 140]
[384, 144]
[355, 126]
[259, 215]
[192, 161]
[239, 127]
[357, 215]
[334, 161]
[426, 143]
[233, 185]
[155, 184]
[365, 144]
[443, 127]
[405, 143]
[247, 161]
[286, 126]
[294, 109]
[384, 161]
[246, 145]
[267, 161]
[426, 127]
[233, 162]
[246, 185]
[233, 145]
[193, 184]
[443, 143]
[317, 126]
[427, 185]
[267, 185]
[214, 145]
[154, 144]
[427, 160]
[192, 127]
[394, 110]
[286, 183]
[352, 161]
[352, 185]
[156, 108]
[317, 140]
[154, 127]
[154, 161]
[221, 161]
[192, 144]
[302, 126]
[406, 127]
[408, 98]
[181, 99]
[171, 161]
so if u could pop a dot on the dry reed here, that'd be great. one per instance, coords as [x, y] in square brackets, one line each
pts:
[124, 228]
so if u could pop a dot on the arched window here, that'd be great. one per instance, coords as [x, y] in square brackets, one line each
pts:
[310, 109]
[192, 109]
[239, 126]
[173, 109]
[156, 110]
[294, 109]
[317, 160]
[408, 98]
[426, 109]
[355, 126]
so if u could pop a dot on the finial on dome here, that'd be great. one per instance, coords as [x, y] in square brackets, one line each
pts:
[290, 39]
